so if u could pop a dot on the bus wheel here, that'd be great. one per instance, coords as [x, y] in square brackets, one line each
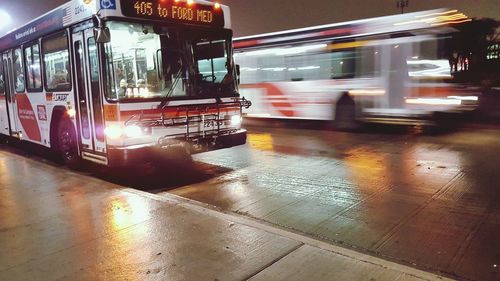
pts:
[67, 145]
[345, 114]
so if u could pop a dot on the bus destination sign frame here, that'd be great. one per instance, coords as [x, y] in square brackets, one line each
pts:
[174, 12]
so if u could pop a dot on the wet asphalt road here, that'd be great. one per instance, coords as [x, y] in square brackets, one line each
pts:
[431, 201]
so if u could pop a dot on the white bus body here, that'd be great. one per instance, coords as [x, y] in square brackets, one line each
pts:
[165, 79]
[390, 69]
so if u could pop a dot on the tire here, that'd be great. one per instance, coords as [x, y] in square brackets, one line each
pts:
[67, 145]
[345, 114]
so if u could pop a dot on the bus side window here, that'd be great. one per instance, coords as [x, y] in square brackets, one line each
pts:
[308, 66]
[343, 64]
[32, 62]
[56, 62]
[19, 70]
[366, 58]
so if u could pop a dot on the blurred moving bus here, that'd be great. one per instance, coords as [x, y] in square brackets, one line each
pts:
[114, 81]
[389, 69]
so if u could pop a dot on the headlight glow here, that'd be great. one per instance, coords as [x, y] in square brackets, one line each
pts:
[235, 120]
[113, 132]
[467, 98]
[434, 101]
[133, 131]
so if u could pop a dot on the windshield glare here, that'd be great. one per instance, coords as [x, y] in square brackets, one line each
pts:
[211, 58]
[144, 62]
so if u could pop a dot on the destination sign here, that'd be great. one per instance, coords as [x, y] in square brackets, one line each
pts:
[174, 12]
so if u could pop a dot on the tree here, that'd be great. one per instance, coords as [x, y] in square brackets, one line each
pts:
[468, 48]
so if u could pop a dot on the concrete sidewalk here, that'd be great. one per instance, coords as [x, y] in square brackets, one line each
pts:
[59, 225]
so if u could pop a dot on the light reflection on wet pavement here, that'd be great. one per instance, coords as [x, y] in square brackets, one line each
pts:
[60, 225]
[430, 201]
[426, 201]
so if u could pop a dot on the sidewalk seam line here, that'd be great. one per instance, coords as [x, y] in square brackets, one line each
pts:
[233, 217]
[271, 263]
[401, 222]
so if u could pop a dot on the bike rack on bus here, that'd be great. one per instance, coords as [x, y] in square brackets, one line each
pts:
[195, 115]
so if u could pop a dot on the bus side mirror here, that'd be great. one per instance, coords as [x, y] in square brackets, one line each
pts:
[102, 35]
[238, 73]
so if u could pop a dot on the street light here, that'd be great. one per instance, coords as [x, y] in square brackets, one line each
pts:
[5, 19]
[402, 4]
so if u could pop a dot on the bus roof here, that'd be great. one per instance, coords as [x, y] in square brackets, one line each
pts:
[76, 11]
[362, 27]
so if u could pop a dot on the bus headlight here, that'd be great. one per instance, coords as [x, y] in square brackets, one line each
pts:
[113, 132]
[116, 132]
[235, 120]
[133, 131]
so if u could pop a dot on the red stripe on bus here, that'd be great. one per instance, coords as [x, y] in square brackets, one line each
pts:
[435, 91]
[275, 96]
[156, 113]
[243, 44]
[336, 31]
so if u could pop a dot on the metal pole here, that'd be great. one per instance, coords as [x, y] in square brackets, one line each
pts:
[402, 4]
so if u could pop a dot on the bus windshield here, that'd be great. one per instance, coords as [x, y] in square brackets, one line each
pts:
[145, 62]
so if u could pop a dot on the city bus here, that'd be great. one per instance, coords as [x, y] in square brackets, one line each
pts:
[120, 81]
[392, 69]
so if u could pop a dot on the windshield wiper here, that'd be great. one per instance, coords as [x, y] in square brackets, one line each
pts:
[165, 100]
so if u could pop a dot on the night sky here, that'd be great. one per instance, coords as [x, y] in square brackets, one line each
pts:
[260, 16]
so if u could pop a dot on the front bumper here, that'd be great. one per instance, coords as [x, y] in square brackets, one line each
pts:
[170, 148]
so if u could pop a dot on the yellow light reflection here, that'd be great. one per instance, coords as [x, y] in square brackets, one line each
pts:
[131, 213]
[438, 14]
[366, 167]
[260, 141]
[453, 22]
[348, 45]
[450, 17]
[128, 211]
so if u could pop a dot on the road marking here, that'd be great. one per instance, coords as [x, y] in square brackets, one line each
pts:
[268, 227]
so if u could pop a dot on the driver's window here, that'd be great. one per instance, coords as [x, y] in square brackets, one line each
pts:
[212, 60]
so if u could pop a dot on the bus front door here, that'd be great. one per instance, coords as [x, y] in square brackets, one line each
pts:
[88, 97]
[4, 115]
[9, 79]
